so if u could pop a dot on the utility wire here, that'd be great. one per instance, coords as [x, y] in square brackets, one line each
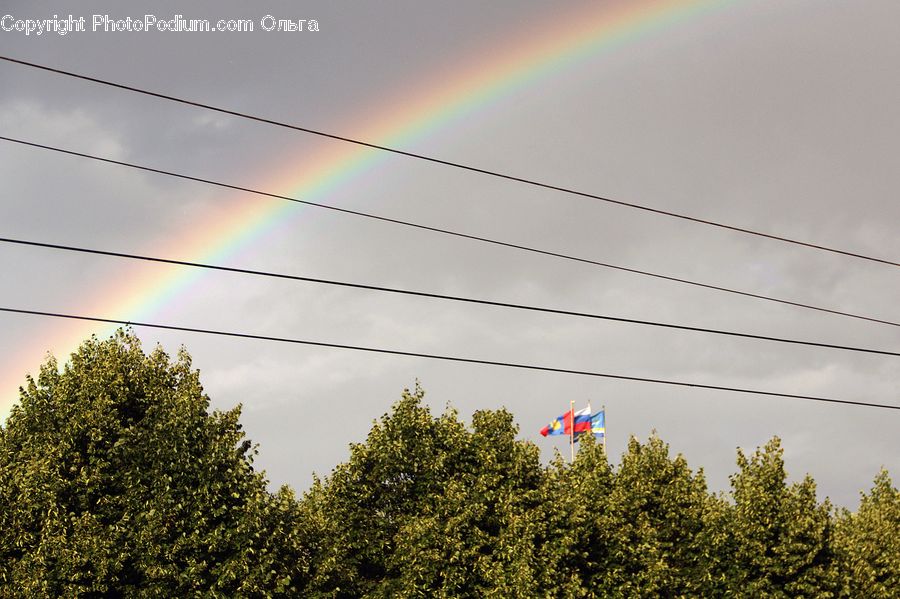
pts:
[449, 232]
[454, 298]
[449, 163]
[448, 358]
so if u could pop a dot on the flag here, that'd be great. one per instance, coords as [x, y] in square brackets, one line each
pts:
[562, 425]
[582, 421]
[598, 424]
[555, 428]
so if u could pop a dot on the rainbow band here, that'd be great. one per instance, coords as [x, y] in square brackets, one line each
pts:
[549, 48]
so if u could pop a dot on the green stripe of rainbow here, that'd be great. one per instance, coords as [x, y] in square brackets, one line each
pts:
[546, 48]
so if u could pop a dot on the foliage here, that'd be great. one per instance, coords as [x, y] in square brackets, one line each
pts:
[428, 508]
[781, 537]
[117, 480]
[868, 543]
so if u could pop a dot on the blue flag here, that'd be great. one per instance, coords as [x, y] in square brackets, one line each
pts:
[598, 424]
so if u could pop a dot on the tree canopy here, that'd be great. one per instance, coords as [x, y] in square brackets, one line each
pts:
[116, 479]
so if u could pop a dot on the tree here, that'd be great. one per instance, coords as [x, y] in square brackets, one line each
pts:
[579, 536]
[781, 538]
[635, 531]
[427, 508]
[118, 480]
[868, 543]
[659, 505]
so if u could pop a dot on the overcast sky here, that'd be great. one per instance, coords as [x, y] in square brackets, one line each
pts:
[773, 115]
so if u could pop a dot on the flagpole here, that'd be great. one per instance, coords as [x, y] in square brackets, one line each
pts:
[572, 428]
[591, 420]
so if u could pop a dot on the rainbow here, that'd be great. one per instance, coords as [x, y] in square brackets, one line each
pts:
[543, 49]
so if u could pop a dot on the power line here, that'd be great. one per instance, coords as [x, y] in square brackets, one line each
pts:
[449, 163]
[395, 352]
[454, 298]
[449, 232]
